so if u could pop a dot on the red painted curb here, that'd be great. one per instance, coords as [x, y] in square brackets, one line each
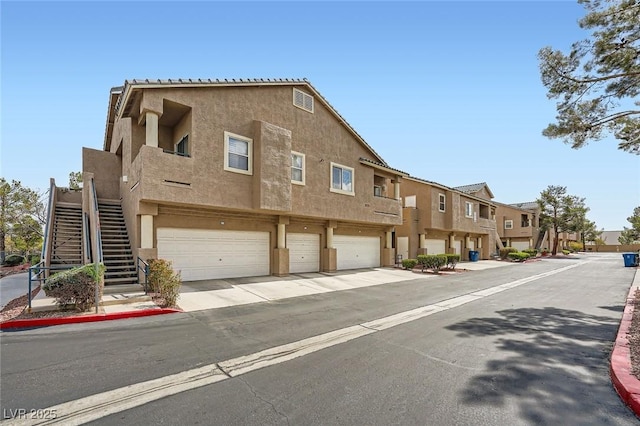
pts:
[626, 384]
[46, 322]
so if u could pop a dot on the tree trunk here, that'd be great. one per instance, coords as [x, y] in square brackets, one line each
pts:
[554, 248]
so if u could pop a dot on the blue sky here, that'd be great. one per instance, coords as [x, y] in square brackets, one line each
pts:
[446, 91]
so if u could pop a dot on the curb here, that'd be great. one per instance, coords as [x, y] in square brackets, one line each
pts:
[626, 384]
[47, 322]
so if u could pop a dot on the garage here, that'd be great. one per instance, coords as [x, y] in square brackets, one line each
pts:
[204, 254]
[304, 253]
[435, 246]
[520, 245]
[357, 252]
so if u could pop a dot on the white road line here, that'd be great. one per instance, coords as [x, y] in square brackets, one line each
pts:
[100, 405]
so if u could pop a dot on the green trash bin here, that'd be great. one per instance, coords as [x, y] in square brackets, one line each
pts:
[630, 259]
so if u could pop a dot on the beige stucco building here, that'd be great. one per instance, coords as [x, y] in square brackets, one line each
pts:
[439, 219]
[244, 178]
[518, 225]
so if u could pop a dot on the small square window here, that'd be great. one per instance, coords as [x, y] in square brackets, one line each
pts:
[341, 179]
[442, 202]
[508, 224]
[297, 168]
[182, 147]
[377, 191]
[468, 209]
[238, 152]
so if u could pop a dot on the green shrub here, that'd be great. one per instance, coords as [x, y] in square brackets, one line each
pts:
[35, 259]
[518, 256]
[409, 263]
[164, 281]
[14, 260]
[575, 246]
[531, 252]
[435, 262]
[504, 252]
[452, 260]
[565, 252]
[76, 286]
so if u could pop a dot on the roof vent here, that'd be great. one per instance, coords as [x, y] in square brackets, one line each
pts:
[303, 100]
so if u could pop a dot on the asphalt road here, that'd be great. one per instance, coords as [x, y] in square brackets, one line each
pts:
[535, 352]
[12, 287]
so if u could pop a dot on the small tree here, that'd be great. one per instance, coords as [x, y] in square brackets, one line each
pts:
[17, 203]
[75, 179]
[631, 235]
[560, 212]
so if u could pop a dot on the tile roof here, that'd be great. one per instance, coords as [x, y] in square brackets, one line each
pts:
[529, 205]
[384, 166]
[475, 187]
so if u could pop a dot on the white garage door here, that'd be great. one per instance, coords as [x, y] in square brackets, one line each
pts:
[357, 252]
[201, 254]
[304, 252]
[520, 245]
[435, 246]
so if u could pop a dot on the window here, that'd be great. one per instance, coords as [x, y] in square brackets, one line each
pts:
[442, 200]
[377, 191]
[508, 224]
[468, 209]
[524, 221]
[182, 147]
[238, 153]
[341, 179]
[297, 168]
[303, 100]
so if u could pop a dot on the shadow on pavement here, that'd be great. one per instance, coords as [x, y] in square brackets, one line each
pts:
[558, 364]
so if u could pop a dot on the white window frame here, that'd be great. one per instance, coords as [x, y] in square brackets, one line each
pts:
[306, 98]
[508, 224]
[442, 202]
[185, 139]
[353, 177]
[249, 141]
[468, 209]
[303, 181]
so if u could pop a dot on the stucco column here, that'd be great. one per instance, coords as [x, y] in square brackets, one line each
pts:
[329, 254]
[281, 235]
[329, 238]
[530, 242]
[146, 231]
[508, 242]
[480, 243]
[422, 243]
[389, 253]
[280, 257]
[452, 243]
[396, 189]
[151, 119]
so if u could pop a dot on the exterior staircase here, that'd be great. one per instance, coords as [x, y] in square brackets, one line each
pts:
[116, 249]
[67, 236]
[542, 236]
